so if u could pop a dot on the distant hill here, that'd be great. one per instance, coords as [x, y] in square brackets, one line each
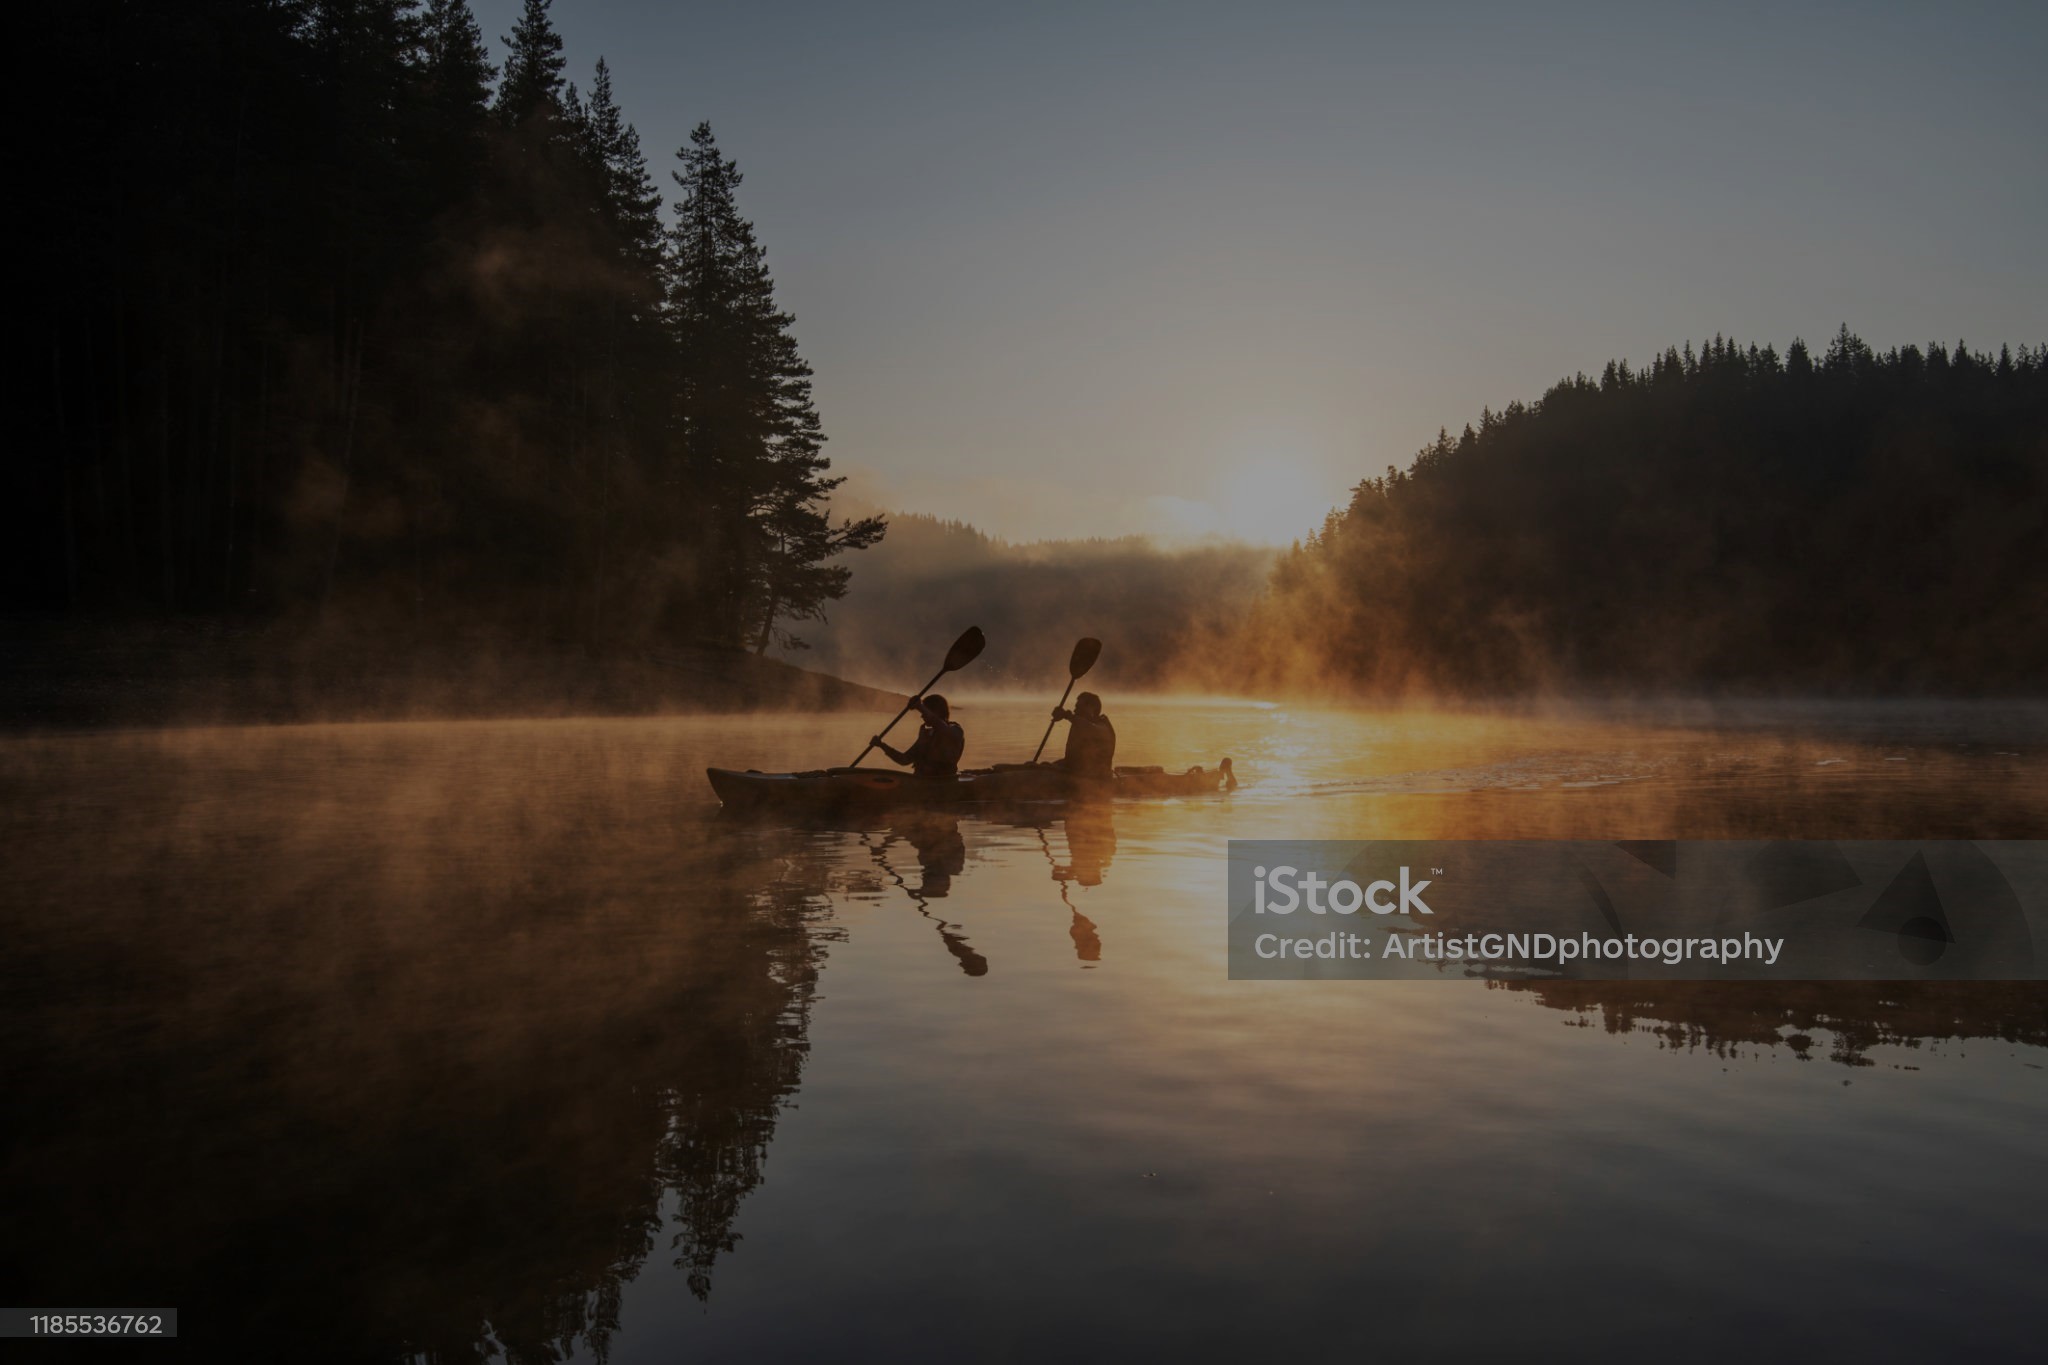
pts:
[930, 578]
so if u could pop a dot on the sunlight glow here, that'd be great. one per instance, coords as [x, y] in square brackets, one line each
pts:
[1266, 500]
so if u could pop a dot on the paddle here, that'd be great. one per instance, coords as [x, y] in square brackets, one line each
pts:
[965, 651]
[1085, 654]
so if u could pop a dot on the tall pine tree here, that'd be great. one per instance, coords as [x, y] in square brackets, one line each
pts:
[751, 440]
[456, 67]
[631, 200]
[633, 365]
[533, 67]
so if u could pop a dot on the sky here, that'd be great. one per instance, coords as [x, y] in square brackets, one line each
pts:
[1191, 269]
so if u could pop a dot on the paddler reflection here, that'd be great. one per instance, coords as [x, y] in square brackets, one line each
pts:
[941, 856]
[1091, 843]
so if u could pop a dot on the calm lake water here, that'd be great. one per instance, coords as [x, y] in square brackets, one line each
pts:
[494, 1040]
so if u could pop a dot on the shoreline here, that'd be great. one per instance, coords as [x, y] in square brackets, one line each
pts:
[64, 678]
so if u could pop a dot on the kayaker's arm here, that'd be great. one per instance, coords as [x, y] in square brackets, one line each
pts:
[895, 755]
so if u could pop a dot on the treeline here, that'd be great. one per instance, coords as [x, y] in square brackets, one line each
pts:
[1726, 518]
[1147, 603]
[327, 315]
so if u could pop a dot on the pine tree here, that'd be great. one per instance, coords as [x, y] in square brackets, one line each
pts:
[632, 202]
[533, 67]
[1847, 353]
[796, 580]
[631, 352]
[262, 360]
[457, 69]
[750, 435]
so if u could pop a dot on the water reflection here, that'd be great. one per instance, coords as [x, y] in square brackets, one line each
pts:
[941, 855]
[1727, 1017]
[1090, 830]
[350, 1096]
[1091, 844]
[447, 1043]
[921, 853]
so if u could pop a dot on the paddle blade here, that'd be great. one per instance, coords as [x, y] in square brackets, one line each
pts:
[1085, 655]
[965, 650]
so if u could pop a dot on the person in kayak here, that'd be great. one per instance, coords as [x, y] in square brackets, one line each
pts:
[937, 750]
[1091, 739]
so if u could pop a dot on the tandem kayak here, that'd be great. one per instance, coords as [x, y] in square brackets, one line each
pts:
[868, 788]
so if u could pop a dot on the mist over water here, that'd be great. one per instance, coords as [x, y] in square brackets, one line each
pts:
[418, 1041]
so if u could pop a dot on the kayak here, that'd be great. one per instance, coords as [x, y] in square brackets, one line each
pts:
[867, 788]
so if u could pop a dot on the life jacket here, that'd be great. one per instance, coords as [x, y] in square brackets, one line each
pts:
[1091, 747]
[938, 749]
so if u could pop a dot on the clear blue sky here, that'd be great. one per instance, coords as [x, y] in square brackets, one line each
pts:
[1211, 264]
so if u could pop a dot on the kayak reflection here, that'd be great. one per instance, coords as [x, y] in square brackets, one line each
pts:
[940, 850]
[923, 853]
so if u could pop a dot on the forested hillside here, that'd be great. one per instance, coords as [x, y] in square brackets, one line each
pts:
[327, 313]
[1726, 518]
[931, 578]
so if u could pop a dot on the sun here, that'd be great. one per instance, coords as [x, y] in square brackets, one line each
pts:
[1271, 501]
[1263, 500]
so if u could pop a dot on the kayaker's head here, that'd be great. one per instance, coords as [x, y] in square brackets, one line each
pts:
[935, 709]
[1088, 706]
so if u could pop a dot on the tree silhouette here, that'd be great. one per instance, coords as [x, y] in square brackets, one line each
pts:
[380, 350]
[533, 66]
[750, 434]
[1864, 522]
[456, 65]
